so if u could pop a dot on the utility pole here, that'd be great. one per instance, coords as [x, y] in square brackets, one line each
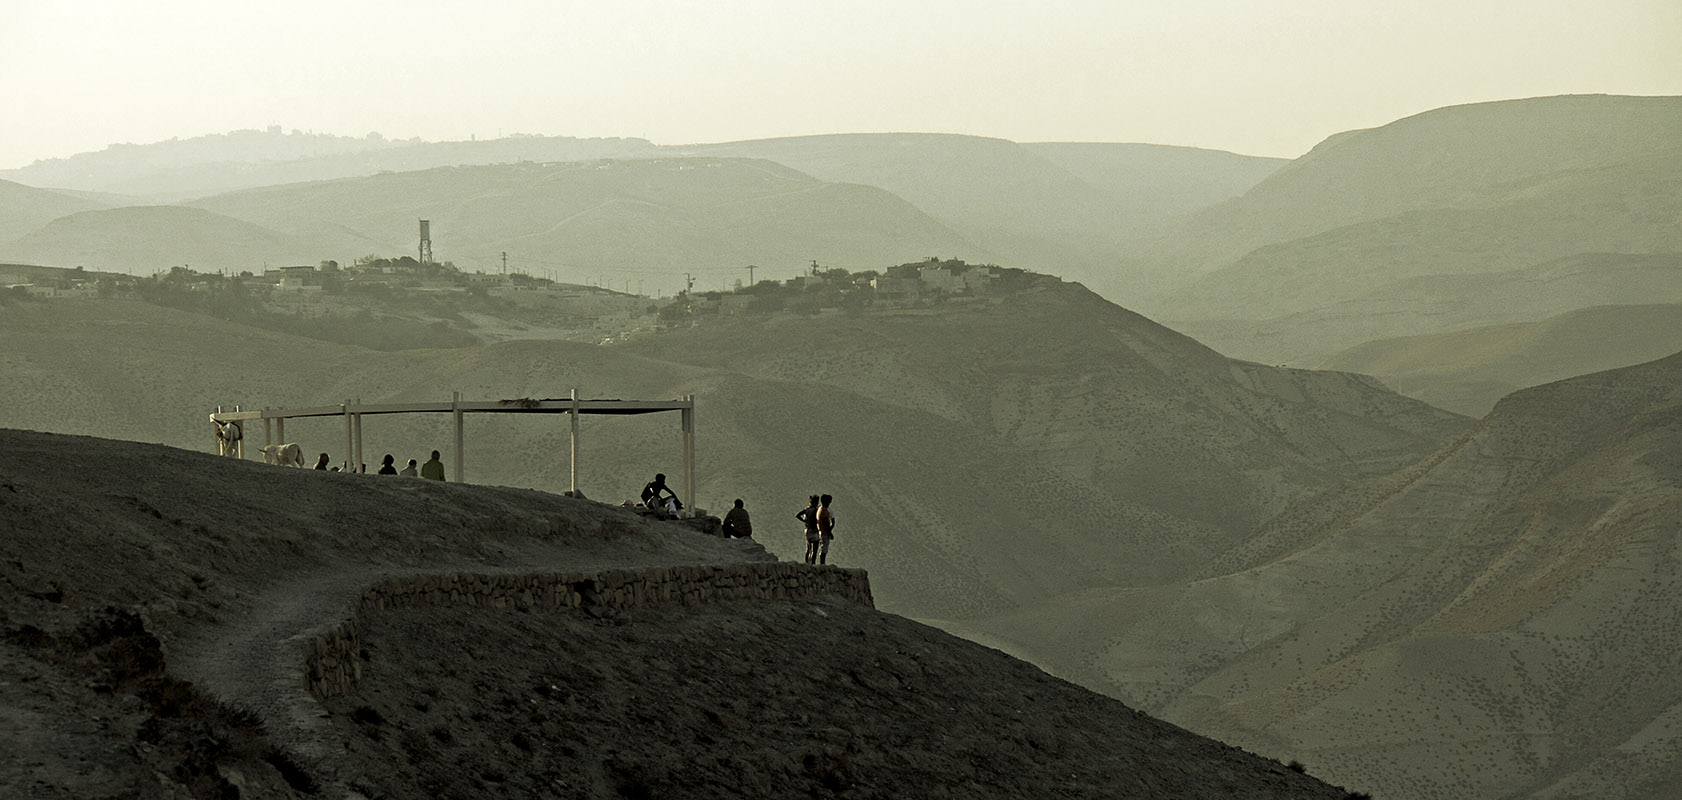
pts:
[750, 274]
[688, 282]
[505, 263]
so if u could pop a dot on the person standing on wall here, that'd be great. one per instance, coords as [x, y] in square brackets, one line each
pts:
[809, 515]
[826, 527]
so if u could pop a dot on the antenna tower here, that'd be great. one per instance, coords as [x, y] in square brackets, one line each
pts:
[425, 242]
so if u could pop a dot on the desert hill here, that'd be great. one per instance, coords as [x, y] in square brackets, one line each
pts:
[1295, 269]
[1431, 304]
[1494, 620]
[1096, 420]
[148, 239]
[1153, 182]
[1455, 157]
[153, 601]
[1068, 209]
[181, 169]
[24, 209]
[1468, 371]
[654, 217]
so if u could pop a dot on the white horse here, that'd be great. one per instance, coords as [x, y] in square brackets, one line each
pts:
[286, 455]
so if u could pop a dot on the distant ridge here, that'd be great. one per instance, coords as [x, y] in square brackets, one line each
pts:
[1492, 621]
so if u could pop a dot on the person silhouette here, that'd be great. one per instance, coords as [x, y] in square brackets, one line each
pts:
[736, 522]
[809, 515]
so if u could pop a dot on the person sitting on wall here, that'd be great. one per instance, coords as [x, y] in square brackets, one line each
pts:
[736, 522]
[321, 463]
[386, 467]
[409, 470]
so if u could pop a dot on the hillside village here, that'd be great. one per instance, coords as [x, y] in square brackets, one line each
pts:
[435, 304]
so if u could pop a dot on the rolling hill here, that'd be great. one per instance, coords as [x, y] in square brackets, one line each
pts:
[181, 169]
[24, 209]
[1468, 371]
[1068, 209]
[657, 218]
[1468, 190]
[147, 239]
[1493, 621]
[1125, 453]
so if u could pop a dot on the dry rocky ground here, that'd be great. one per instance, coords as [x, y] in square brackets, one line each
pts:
[152, 600]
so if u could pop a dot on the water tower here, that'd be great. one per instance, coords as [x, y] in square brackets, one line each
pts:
[425, 241]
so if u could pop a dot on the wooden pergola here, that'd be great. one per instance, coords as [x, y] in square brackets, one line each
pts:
[274, 423]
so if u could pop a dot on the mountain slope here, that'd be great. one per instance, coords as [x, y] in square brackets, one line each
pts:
[147, 239]
[1067, 209]
[653, 217]
[1485, 623]
[24, 209]
[1468, 371]
[1454, 157]
[179, 169]
[155, 602]
[1296, 269]
[1123, 452]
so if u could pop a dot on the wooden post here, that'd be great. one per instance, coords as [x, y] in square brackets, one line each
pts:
[574, 442]
[688, 413]
[268, 432]
[455, 409]
[280, 430]
[350, 435]
[356, 452]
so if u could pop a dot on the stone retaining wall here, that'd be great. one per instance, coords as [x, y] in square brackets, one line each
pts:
[332, 658]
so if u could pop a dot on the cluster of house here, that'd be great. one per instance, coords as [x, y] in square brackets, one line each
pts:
[904, 285]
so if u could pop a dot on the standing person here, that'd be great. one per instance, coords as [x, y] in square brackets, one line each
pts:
[826, 527]
[321, 463]
[809, 515]
[433, 470]
[409, 470]
[385, 465]
[736, 521]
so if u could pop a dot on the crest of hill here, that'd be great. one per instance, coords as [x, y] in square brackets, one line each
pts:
[1460, 157]
[1493, 621]
[24, 209]
[1630, 208]
[642, 215]
[150, 591]
[1431, 304]
[147, 239]
[1064, 208]
[1468, 371]
[203, 165]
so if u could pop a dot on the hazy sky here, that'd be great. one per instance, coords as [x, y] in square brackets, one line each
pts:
[1262, 77]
